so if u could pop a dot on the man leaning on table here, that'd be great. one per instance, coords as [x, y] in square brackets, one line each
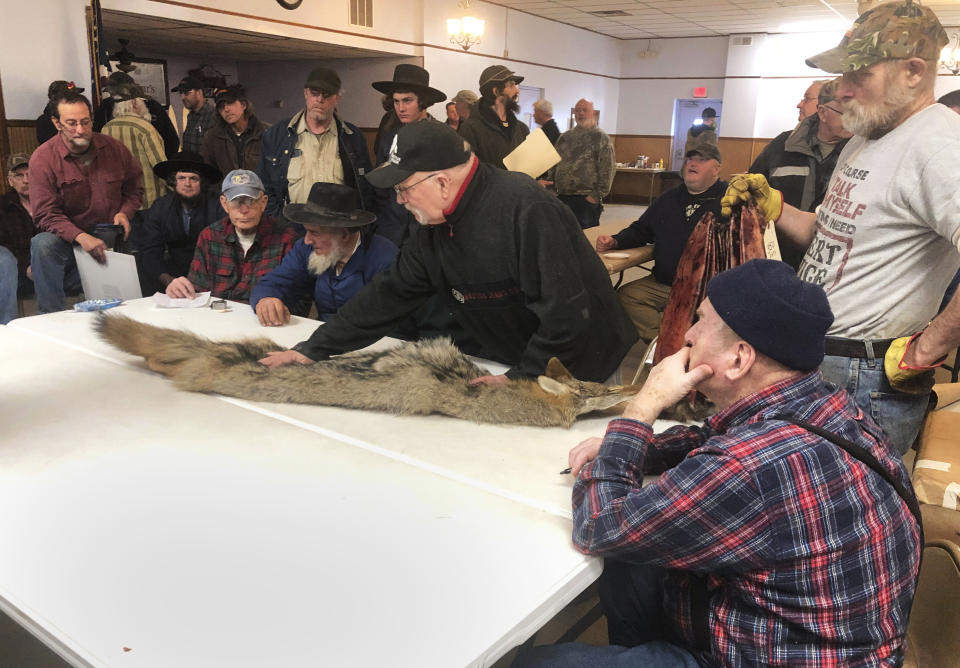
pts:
[762, 542]
[508, 258]
[667, 223]
[235, 252]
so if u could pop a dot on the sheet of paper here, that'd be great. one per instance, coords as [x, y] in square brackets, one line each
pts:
[117, 279]
[534, 156]
[163, 301]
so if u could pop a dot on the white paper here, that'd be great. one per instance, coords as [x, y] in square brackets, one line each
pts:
[116, 279]
[163, 301]
[534, 156]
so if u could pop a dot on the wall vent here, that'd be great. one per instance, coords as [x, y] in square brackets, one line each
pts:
[742, 40]
[361, 13]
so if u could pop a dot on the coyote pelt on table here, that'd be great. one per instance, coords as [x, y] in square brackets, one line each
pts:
[411, 379]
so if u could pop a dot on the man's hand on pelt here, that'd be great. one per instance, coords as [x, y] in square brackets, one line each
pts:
[283, 357]
[668, 382]
[744, 186]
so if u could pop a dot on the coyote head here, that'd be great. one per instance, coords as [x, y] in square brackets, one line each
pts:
[587, 396]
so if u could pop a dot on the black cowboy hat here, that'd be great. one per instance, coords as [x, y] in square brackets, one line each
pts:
[329, 205]
[185, 161]
[412, 78]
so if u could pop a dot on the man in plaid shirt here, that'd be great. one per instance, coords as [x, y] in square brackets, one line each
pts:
[234, 253]
[761, 543]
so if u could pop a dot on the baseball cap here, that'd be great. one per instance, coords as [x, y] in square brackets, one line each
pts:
[893, 30]
[60, 87]
[241, 183]
[426, 146]
[187, 84]
[230, 93]
[496, 74]
[323, 79]
[708, 151]
[17, 160]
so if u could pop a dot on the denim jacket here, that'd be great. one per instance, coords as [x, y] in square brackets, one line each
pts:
[278, 145]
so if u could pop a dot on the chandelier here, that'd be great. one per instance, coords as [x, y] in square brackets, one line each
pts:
[466, 31]
[950, 55]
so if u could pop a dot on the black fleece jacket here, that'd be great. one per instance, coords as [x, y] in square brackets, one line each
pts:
[518, 274]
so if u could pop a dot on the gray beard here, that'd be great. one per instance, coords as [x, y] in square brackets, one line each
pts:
[867, 121]
[317, 264]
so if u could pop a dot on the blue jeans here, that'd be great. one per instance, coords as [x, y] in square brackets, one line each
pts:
[8, 286]
[54, 270]
[632, 600]
[899, 415]
[587, 213]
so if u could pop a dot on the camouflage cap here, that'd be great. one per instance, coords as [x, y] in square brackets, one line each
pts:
[893, 30]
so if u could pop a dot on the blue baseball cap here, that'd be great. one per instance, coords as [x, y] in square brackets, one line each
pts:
[241, 183]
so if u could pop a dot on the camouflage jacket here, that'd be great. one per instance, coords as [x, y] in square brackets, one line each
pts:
[587, 163]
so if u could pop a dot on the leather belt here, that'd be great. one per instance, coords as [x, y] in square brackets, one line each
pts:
[861, 348]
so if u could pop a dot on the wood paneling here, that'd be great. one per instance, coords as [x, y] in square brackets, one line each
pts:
[22, 136]
[738, 152]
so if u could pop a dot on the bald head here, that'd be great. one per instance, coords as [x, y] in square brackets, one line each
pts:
[584, 114]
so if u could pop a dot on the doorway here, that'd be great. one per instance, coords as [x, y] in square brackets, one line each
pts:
[685, 114]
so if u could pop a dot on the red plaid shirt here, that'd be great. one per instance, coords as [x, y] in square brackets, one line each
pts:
[219, 264]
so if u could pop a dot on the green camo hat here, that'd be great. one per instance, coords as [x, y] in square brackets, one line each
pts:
[893, 30]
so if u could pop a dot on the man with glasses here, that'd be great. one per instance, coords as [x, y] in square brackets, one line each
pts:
[508, 259]
[807, 106]
[16, 231]
[237, 251]
[799, 163]
[78, 180]
[315, 145]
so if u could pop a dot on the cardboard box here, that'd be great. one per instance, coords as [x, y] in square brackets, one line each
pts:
[936, 471]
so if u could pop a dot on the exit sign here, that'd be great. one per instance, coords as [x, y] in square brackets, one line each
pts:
[700, 91]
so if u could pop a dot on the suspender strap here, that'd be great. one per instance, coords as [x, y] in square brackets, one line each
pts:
[858, 452]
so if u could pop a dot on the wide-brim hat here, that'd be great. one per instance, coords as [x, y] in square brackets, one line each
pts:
[185, 161]
[329, 205]
[412, 78]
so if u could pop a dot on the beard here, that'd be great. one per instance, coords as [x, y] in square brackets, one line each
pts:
[317, 264]
[876, 119]
[189, 202]
[512, 104]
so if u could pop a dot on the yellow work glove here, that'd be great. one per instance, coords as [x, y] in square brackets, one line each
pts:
[744, 186]
[904, 377]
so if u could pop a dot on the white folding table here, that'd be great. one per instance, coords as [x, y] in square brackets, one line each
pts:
[147, 527]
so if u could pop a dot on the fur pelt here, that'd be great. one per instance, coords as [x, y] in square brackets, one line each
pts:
[411, 379]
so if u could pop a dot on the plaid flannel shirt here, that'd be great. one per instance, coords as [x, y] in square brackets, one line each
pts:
[198, 123]
[219, 264]
[811, 558]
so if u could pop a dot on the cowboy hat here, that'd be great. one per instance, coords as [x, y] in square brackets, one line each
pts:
[329, 205]
[416, 79]
[185, 161]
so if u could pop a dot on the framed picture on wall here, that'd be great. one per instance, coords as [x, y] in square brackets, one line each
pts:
[151, 75]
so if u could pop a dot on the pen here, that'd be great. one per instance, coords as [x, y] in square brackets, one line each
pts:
[566, 471]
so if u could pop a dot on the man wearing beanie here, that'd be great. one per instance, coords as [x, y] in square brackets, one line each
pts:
[764, 541]
[494, 130]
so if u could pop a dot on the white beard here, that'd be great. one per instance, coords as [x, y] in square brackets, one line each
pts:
[865, 121]
[317, 264]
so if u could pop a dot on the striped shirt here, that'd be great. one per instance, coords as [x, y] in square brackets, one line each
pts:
[811, 558]
[221, 266]
[146, 145]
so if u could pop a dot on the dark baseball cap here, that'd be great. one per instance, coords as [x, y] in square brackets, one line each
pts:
[17, 160]
[60, 87]
[425, 146]
[230, 93]
[708, 151]
[323, 79]
[187, 84]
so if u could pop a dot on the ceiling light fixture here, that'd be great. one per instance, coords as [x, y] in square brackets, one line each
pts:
[465, 31]
[950, 55]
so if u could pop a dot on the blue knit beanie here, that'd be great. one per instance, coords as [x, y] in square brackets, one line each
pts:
[770, 308]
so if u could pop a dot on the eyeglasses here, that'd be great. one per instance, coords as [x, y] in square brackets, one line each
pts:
[836, 111]
[83, 122]
[402, 190]
[242, 201]
[18, 175]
